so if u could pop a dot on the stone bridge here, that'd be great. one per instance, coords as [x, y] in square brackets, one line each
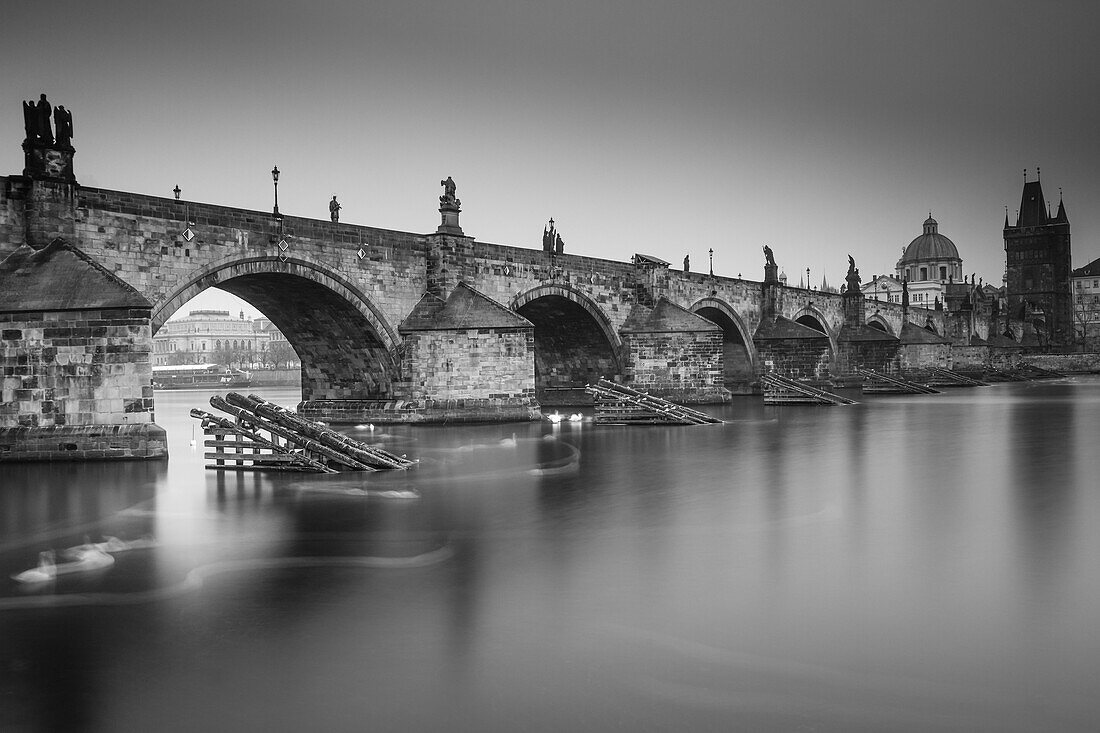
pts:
[440, 325]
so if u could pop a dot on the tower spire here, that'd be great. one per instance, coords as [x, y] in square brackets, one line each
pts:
[1060, 217]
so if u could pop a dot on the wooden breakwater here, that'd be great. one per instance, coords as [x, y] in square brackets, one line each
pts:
[291, 443]
[879, 383]
[617, 404]
[780, 390]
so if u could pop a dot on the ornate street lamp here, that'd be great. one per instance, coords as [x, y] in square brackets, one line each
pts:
[808, 278]
[712, 261]
[275, 180]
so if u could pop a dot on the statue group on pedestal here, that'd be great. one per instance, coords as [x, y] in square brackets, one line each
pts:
[551, 240]
[36, 120]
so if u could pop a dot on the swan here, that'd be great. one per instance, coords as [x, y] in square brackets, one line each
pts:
[46, 570]
[576, 417]
[554, 417]
[84, 558]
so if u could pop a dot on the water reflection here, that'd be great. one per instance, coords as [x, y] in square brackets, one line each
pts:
[903, 564]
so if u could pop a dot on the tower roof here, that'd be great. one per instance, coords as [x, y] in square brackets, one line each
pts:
[1033, 207]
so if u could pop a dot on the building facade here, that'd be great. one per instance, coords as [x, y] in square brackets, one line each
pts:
[209, 337]
[1086, 303]
[885, 288]
[1038, 267]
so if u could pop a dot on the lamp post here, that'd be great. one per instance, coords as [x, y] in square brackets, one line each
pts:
[711, 252]
[275, 180]
[808, 278]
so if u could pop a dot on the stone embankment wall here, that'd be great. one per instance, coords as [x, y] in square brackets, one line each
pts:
[979, 357]
[917, 356]
[1066, 363]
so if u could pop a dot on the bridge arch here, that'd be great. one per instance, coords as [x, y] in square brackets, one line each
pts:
[738, 351]
[877, 321]
[575, 343]
[811, 317]
[343, 340]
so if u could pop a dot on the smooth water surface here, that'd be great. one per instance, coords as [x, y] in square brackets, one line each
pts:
[921, 563]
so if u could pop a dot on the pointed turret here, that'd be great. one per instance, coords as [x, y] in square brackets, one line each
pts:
[1060, 217]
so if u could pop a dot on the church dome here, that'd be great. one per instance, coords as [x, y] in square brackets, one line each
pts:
[930, 246]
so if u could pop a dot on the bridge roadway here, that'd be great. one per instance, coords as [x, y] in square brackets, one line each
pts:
[340, 292]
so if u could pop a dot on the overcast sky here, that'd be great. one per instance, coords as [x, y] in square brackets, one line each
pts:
[820, 128]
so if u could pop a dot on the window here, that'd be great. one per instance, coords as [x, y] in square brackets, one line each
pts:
[943, 272]
[924, 273]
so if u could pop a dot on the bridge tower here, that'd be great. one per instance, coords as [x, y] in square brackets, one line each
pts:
[1038, 266]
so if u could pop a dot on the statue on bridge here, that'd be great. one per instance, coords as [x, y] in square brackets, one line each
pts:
[852, 278]
[36, 120]
[551, 240]
[769, 259]
[334, 209]
[63, 124]
[449, 189]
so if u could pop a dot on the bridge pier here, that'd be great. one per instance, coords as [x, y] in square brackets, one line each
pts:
[861, 346]
[463, 359]
[75, 370]
[674, 354]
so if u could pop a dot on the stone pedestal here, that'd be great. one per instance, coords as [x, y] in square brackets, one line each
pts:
[771, 273]
[449, 212]
[51, 162]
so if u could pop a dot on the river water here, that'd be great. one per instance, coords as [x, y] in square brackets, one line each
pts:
[922, 563]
